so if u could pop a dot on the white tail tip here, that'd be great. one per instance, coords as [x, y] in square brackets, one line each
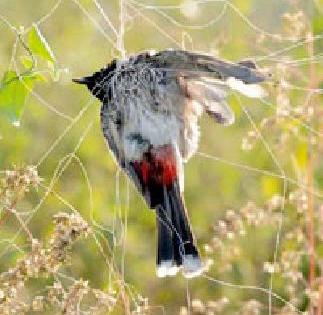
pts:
[192, 266]
[166, 268]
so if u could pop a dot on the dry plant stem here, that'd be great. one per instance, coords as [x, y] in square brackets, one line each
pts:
[125, 300]
[122, 4]
[320, 305]
[5, 210]
[310, 213]
[120, 280]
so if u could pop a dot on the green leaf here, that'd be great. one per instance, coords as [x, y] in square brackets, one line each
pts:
[38, 44]
[27, 62]
[13, 94]
[37, 76]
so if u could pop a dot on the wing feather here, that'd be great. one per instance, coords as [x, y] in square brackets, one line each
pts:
[192, 65]
[207, 80]
[211, 96]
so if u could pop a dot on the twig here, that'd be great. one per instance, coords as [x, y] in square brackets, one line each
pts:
[310, 212]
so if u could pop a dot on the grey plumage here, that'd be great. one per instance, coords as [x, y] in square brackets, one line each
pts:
[151, 103]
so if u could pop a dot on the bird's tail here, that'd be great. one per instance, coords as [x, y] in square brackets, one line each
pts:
[175, 241]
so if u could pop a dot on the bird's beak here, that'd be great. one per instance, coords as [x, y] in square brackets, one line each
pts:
[84, 80]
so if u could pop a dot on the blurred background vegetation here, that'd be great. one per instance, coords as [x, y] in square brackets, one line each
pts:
[250, 182]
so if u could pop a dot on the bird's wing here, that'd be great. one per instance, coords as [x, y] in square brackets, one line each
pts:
[110, 129]
[211, 95]
[207, 80]
[112, 137]
[196, 65]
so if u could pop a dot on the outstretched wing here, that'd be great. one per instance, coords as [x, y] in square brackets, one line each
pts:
[207, 80]
[195, 65]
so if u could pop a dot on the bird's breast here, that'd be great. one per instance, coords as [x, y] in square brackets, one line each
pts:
[151, 129]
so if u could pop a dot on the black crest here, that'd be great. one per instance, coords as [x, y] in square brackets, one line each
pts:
[98, 82]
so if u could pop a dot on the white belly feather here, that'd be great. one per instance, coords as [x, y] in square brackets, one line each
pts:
[152, 126]
[178, 127]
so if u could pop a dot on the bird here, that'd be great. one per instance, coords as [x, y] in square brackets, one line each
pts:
[151, 105]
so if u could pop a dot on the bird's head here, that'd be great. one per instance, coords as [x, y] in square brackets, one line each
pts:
[98, 82]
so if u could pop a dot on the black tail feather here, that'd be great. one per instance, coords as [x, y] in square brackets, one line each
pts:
[175, 239]
[184, 243]
[165, 251]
